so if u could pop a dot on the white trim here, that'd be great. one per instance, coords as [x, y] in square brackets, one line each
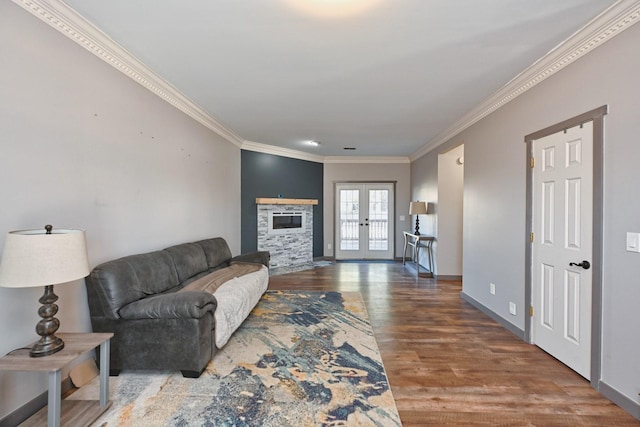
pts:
[620, 16]
[280, 151]
[301, 155]
[366, 159]
[67, 21]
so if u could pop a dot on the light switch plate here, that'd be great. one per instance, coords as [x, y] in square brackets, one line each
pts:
[402, 218]
[633, 242]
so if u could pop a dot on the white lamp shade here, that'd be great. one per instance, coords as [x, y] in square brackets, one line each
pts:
[417, 208]
[33, 258]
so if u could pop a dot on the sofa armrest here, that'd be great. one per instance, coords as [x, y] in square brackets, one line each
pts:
[259, 257]
[176, 305]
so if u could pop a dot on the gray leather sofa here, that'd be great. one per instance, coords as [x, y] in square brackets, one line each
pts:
[155, 325]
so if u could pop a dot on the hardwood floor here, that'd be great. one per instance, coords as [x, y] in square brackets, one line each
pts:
[449, 364]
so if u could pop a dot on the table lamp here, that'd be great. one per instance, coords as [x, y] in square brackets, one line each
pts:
[417, 209]
[44, 257]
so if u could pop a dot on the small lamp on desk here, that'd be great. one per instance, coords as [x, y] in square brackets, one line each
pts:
[417, 209]
[44, 257]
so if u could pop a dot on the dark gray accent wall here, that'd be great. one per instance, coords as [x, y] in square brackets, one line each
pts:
[267, 175]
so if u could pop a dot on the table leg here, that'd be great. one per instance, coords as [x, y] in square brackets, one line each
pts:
[54, 398]
[104, 373]
[404, 252]
[416, 256]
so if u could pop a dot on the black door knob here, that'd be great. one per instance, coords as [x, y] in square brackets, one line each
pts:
[584, 264]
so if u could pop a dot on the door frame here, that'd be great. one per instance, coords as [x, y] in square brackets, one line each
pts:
[597, 117]
[392, 202]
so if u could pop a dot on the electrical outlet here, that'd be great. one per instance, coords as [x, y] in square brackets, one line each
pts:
[328, 245]
[512, 308]
[492, 288]
[402, 218]
[633, 242]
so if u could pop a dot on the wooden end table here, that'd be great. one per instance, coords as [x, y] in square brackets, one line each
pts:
[76, 412]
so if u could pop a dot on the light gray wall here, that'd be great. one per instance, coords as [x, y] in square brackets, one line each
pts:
[424, 187]
[374, 172]
[83, 146]
[494, 195]
[450, 197]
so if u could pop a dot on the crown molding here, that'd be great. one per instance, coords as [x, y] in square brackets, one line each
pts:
[605, 26]
[367, 159]
[67, 21]
[301, 155]
[280, 151]
[617, 18]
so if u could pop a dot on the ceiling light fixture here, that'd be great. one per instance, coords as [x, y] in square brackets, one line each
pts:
[314, 143]
[332, 8]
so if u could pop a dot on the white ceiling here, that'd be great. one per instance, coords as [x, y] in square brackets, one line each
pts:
[386, 79]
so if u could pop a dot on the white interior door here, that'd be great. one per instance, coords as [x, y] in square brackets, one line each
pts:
[364, 221]
[562, 246]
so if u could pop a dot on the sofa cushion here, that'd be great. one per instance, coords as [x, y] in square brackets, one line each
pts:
[189, 260]
[217, 252]
[110, 286]
[154, 272]
[116, 283]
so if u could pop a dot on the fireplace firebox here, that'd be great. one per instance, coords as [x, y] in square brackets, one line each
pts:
[286, 222]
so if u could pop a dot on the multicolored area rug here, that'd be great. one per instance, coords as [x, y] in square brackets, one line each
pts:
[300, 359]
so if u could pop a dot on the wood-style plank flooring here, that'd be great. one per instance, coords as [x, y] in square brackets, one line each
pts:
[449, 364]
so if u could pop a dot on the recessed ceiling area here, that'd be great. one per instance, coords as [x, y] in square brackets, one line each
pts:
[382, 76]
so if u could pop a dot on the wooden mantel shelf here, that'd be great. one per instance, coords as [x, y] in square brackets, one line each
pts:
[280, 201]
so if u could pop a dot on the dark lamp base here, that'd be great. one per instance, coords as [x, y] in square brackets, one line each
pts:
[46, 346]
[47, 326]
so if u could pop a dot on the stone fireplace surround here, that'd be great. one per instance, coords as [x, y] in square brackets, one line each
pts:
[287, 250]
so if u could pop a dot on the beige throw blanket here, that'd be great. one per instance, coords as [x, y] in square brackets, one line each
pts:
[237, 289]
[213, 281]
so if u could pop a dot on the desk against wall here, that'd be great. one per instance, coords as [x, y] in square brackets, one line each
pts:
[417, 241]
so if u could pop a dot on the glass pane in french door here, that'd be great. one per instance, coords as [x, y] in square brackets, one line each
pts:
[349, 220]
[378, 220]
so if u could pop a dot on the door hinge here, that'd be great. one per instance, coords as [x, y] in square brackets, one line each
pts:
[532, 162]
[531, 237]
[531, 310]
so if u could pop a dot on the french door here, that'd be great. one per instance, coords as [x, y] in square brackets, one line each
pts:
[364, 221]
